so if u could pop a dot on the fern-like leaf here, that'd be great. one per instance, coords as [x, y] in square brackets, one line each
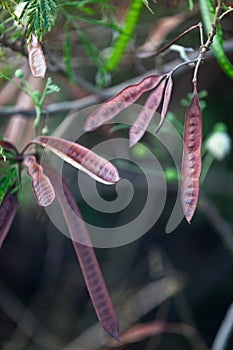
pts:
[41, 16]
[86, 255]
[49, 10]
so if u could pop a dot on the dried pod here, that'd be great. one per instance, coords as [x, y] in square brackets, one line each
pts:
[192, 158]
[166, 101]
[8, 209]
[109, 109]
[85, 253]
[36, 57]
[140, 125]
[42, 187]
[82, 158]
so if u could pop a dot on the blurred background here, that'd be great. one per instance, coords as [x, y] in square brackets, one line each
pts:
[176, 288]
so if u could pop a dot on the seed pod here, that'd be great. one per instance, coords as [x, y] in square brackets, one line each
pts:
[85, 253]
[191, 161]
[109, 109]
[36, 57]
[82, 158]
[166, 101]
[140, 125]
[8, 209]
[97, 288]
[42, 187]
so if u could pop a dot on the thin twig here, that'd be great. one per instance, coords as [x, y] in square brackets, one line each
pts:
[66, 106]
[13, 45]
[165, 47]
[53, 65]
[204, 48]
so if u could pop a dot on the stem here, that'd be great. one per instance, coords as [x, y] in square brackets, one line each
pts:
[14, 83]
[181, 65]
[225, 13]
[37, 119]
[165, 47]
[28, 89]
[204, 48]
[207, 8]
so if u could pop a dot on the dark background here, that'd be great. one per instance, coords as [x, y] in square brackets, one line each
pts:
[44, 303]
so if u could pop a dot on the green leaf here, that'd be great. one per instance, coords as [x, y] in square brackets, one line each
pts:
[7, 181]
[191, 5]
[41, 16]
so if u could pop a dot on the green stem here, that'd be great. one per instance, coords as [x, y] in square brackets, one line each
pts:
[124, 37]
[211, 21]
[37, 119]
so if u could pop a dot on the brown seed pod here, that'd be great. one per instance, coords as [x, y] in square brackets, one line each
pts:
[36, 57]
[140, 125]
[192, 158]
[82, 158]
[85, 253]
[42, 187]
[109, 109]
[8, 209]
[166, 101]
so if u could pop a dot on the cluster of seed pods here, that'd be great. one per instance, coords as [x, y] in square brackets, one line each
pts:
[103, 171]
[45, 187]
[162, 85]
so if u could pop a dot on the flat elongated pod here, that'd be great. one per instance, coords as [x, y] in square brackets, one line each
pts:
[36, 58]
[166, 101]
[86, 256]
[192, 158]
[140, 125]
[109, 109]
[41, 185]
[8, 209]
[82, 158]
